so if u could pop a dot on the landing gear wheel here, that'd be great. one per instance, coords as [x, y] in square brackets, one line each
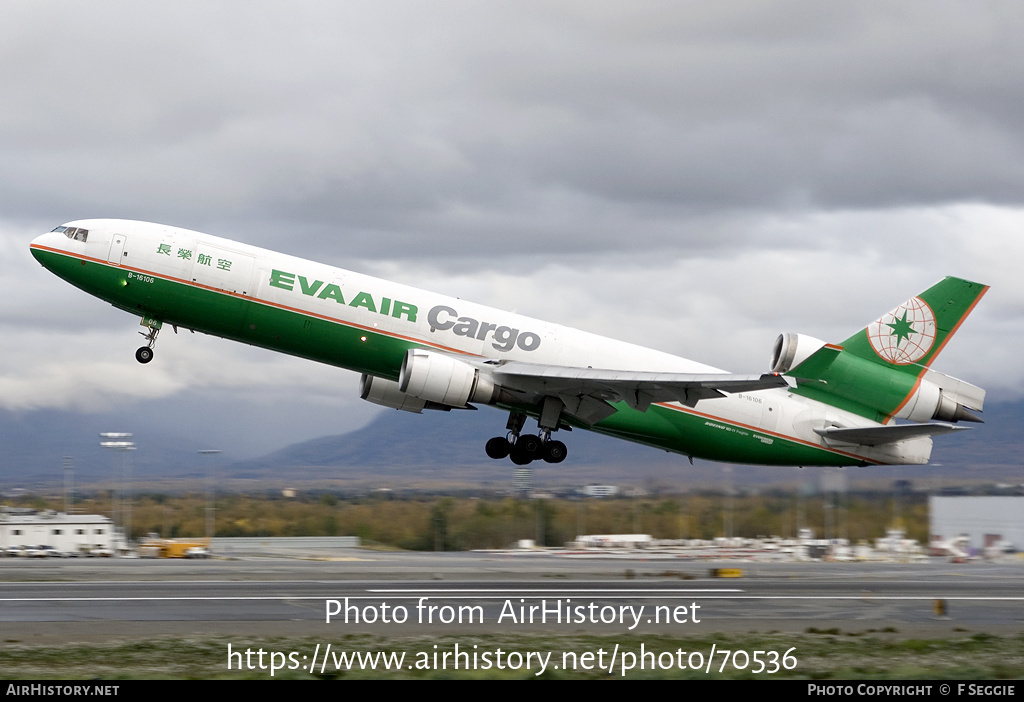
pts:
[145, 353]
[554, 451]
[498, 447]
[529, 445]
[520, 457]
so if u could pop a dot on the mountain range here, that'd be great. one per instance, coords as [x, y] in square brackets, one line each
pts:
[400, 448]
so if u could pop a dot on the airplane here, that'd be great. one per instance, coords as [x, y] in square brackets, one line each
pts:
[820, 404]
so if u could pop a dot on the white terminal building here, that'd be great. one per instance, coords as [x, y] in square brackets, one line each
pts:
[63, 532]
[983, 521]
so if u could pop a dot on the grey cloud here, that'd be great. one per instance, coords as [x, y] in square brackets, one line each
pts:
[392, 126]
[697, 177]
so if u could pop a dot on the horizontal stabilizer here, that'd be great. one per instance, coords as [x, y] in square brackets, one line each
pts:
[889, 434]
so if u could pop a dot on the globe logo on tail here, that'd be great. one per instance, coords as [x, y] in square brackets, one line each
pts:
[906, 334]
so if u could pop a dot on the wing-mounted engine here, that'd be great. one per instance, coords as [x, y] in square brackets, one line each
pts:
[791, 350]
[381, 391]
[444, 379]
[430, 380]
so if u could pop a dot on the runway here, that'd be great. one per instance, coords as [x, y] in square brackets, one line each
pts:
[434, 594]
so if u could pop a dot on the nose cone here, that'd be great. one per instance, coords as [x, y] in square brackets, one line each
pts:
[51, 241]
[35, 246]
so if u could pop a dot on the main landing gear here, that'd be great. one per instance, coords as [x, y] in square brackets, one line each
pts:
[526, 448]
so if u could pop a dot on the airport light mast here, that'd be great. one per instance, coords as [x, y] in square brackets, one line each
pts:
[120, 442]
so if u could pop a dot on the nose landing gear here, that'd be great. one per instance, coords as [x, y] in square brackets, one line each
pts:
[144, 354]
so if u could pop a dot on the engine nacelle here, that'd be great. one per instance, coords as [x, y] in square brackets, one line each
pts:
[381, 391]
[791, 350]
[444, 379]
[944, 402]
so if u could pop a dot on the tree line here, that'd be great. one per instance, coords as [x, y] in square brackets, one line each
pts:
[464, 523]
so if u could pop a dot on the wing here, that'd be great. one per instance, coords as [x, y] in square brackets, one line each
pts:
[587, 393]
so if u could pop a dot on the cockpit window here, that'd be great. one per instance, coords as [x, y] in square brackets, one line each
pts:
[76, 233]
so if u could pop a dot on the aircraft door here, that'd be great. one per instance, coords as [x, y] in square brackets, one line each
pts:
[116, 249]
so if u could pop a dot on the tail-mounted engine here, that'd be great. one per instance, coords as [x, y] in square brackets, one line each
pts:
[913, 392]
[791, 350]
[945, 398]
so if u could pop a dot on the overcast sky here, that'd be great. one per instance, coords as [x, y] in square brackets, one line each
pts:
[697, 177]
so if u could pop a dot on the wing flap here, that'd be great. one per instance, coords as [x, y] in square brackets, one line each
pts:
[587, 392]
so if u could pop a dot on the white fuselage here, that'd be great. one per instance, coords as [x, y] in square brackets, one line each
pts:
[147, 252]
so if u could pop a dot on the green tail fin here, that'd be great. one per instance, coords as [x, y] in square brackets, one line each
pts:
[911, 336]
[879, 371]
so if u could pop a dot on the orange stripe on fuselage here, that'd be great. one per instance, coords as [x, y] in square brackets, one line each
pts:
[268, 303]
[750, 427]
[675, 407]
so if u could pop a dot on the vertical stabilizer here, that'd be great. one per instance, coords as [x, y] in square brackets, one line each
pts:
[881, 372]
[911, 336]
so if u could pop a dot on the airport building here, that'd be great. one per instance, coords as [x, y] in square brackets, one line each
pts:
[61, 532]
[985, 522]
[601, 490]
